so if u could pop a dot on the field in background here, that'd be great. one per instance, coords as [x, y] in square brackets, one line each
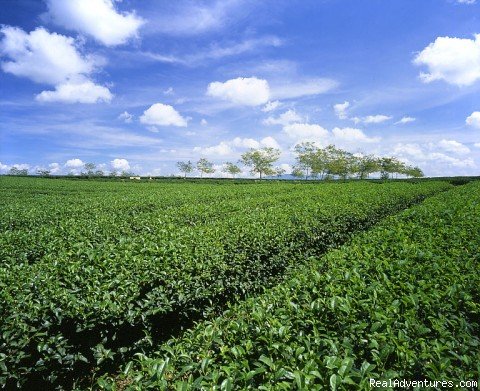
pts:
[93, 272]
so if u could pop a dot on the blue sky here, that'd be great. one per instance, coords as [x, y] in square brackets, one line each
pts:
[140, 85]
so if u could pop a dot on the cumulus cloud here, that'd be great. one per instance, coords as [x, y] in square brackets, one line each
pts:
[405, 120]
[54, 168]
[80, 92]
[126, 117]
[453, 60]
[97, 18]
[162, 115]
[474, 119]
[353, 135]
[453, 146]
[341, 109]
[221, 149]
[271, 106]
[74, 163]
[269, 142]
[430, 155]
[238, 143]
[120, 164]
[42, 56]
[245, 91]
[245, 142]
[285, 118]
[204, 122]
[476, 145]
[306, 132]
[307, 87]
[53, 59]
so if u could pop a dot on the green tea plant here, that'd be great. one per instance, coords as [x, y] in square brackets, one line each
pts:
[400, 301]
[93, 272]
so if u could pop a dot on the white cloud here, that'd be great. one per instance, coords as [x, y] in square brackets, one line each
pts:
[476, 145]
[214, 51]
[74, 163]
[453, 146]
[376, 119]
[81, 92]
[55, 168]
[353, 135]
[204, 122]
[162, 115]
[429, 155]
[454, 60]
[271, 106]
[285, 118]
[245, 143]
[269, 142]
[246, 91]
[3, 167]
[97, 18]
[221, 149]
[287, 167]
[193, 18]
[42, 56]
[466, 1]
[474, 119]
[341, 109]
[233, 146]
[308, 87]
[120, 164]
[306, 132]
[405, 120]
[126, 116]
[169, 91]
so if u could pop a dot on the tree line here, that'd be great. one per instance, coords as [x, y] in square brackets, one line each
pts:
[89, 170]
[311, 162]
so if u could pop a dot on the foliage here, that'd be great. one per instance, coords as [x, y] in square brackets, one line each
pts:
[332, 162]
[18, 171]
[205, 167]
[261, 160]
[185, 167]
[92, 272]
[231, 169]
[400, 301]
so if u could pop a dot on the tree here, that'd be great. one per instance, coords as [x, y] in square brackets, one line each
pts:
[231, 168]
[90, 169]
[261, 160]
[18, 171]
[414, 172]
[185, 167]
[279, 171]
[366, 165]
[339, 162]
[43, 172]
[113, 173]
[306, 156]
[205, 167]
[297, 172]
[127, 174]
[388, 166]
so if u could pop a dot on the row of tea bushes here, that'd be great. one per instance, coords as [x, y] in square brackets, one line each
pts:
[94, 272]
[400, 301]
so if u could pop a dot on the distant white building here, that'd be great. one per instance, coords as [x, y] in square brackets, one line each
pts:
[135, 177]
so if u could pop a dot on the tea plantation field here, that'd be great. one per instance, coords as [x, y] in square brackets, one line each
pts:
[235, 285]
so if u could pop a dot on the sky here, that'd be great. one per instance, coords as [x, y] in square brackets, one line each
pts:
[140, 85]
